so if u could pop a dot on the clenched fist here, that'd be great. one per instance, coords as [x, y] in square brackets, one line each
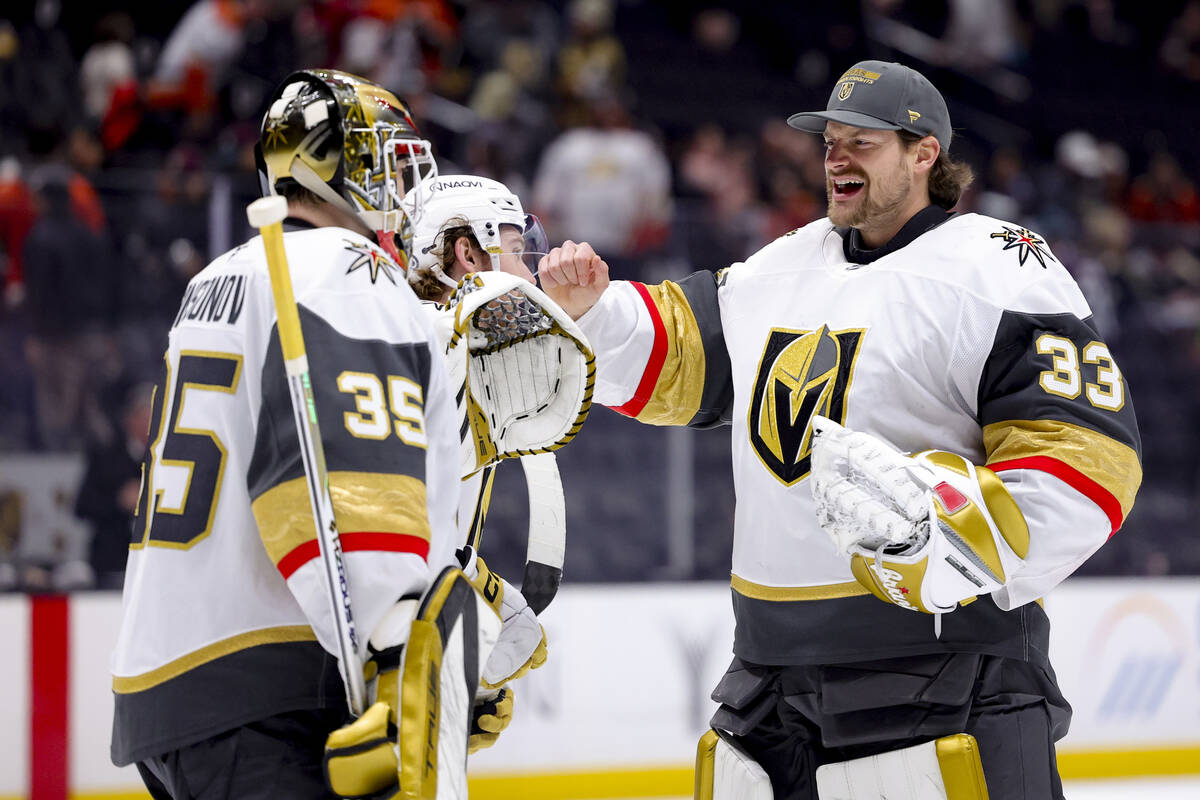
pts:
[574, 277]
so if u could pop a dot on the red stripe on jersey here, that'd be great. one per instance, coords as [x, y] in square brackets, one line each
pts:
[658, 356]
[355, 541]
[1072, 477]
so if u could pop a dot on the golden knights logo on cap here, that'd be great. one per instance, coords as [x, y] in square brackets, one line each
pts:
[801, 373]
[845, 90]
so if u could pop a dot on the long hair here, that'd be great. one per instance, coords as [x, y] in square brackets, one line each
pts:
[948, 179]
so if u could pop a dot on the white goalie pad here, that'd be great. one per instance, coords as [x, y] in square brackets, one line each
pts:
[726, 772]
[412, 742]
[946, 769]
[522, 369]
[451, 639]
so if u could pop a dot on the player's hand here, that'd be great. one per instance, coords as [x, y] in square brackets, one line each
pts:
[574, 277]
[492, 713]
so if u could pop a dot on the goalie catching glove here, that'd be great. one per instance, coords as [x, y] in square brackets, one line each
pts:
[522, 643]
[925, 532]
[522, 370]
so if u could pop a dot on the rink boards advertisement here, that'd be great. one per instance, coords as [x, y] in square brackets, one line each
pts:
[619, 706]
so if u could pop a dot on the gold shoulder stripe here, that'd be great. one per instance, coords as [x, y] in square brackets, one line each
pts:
[196, 658]
[362, 501]
[680, 387]
[829, 591]
[1113, 466]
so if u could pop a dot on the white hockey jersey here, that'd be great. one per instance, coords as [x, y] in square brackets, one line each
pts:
[226, 613]
[972, 338]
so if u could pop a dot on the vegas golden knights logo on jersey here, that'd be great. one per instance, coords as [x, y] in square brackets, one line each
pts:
[801, 373]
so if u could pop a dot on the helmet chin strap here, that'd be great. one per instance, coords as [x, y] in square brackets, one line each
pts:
[306, 177]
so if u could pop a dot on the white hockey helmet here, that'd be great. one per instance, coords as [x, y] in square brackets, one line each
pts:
[482, 204]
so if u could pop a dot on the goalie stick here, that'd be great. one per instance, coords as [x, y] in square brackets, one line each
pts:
[546, 547]
[267, 214]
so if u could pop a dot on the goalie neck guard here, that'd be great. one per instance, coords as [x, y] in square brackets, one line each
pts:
[351, 143]
[480, 204]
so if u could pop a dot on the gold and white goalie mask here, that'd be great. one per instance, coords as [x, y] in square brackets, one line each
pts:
[354, 145]
[924, 532]
[522, 369]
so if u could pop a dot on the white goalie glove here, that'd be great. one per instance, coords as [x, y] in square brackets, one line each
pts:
[925, 532]
[522, 370]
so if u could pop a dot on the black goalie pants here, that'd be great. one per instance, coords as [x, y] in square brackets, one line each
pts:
[794, 719]
[276, 757]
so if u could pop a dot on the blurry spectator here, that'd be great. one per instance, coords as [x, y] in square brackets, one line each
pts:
[791, 168]
[397, 43]
[606, 184]
[70, 274]
[38, 89]
[514, 121]
[1163, 193]
[979, 35]
[729, 223]
[108, 78]
[591, 64]
[1180, 51]
[199, 51]
[108, 492]
[1006, 176]
[163, 250]
[17, 212]
[489, 25]
[17, 216]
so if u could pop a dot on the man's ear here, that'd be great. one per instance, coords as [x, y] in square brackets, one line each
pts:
[464, 255]
[927, 153]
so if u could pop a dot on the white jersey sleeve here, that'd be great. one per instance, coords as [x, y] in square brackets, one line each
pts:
[660, 353]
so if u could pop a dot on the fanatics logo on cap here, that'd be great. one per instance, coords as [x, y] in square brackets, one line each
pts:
[913, 116]
[845, 91]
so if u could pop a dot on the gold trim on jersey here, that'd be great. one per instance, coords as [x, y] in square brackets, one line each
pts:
[680, 386]
[1113, 465]
[362, 501]
[829, 591]
[243, 641]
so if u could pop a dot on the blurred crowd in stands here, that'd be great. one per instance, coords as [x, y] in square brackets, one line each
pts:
[653, 130]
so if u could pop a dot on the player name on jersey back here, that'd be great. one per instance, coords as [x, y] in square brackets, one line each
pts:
[218, 299]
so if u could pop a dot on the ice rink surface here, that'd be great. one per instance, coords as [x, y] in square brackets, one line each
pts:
[1184, 788]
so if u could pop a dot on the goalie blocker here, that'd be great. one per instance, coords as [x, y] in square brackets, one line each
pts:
[948, 768]
[412, 743]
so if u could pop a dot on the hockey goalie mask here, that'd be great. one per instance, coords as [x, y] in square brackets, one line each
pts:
[353, 144]
[485, 206]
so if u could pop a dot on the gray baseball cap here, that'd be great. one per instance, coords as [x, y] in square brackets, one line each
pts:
[882, 96]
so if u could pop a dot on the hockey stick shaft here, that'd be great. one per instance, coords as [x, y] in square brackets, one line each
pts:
[546, 549]
[267, 214]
